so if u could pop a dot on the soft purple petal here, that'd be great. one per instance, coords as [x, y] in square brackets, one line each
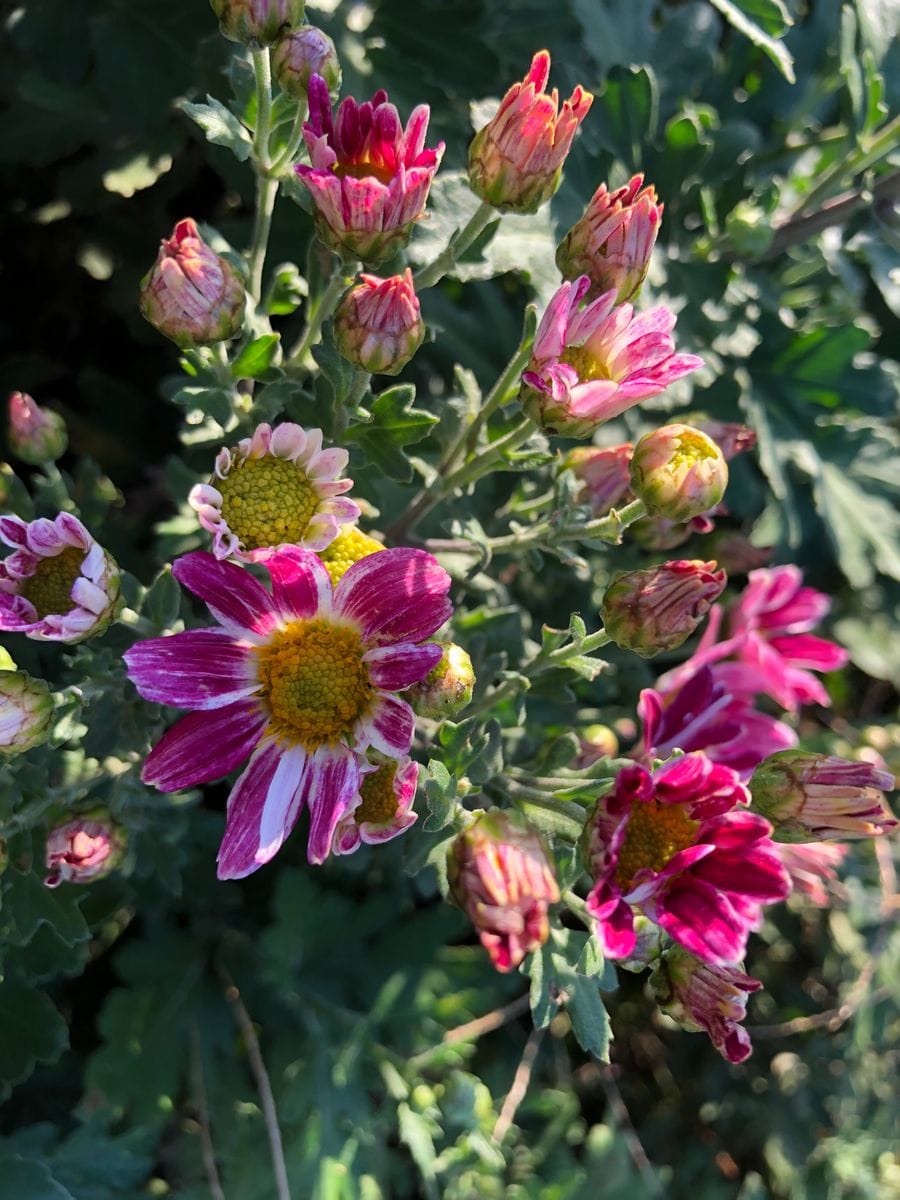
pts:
[698, 916]
[262, 809]
[389, 726]
[301, 587]
[332, 791]
[395, 595]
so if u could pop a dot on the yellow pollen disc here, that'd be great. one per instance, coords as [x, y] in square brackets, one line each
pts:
[314, 682]
[654, 834]
[267, 501]
[348, 547]
[379, 804]
[588, 367]
[50, 587]
[363, 169]
[692, 448]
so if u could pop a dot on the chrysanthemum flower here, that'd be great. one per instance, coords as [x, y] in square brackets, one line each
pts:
[701, 997]
[276, 488]
[58, 585]
[302, 679]
[604, 475]
[386, 794]
[590, 364]
[369, 177]
[677, 845]
[378, 324]
[659, 608]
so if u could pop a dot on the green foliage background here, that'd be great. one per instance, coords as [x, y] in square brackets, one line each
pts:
[117, 1038]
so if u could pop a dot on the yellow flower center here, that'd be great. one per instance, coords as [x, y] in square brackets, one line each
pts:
[654, 834]
[588, 367]
[348, 547]
[267, 501]
[314, 682]
[379, 804]
[693, 447]
[363, 169]
[50, 587]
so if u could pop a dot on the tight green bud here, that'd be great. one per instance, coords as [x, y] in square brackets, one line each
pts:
[447, 688]
[679, 472]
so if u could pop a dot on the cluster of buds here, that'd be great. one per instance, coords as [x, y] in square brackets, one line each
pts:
[658, 609]
[84, 849]
[500, 875]
[378, 325]
[36, 435]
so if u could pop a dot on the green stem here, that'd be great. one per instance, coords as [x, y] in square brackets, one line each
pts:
[859, 160]
[266, 187]
[604, 529]
[482, 463]
[458, 244]
[318, 315]
[293, 142]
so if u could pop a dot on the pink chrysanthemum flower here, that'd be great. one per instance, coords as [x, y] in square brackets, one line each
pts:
[302, 679]
[589, 364]
[701, 997]
[678, 845]
[58, 585]
[276, 488]
[369, 177]
[386, 794]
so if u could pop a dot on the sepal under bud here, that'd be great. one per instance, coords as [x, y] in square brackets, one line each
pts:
[679, 472]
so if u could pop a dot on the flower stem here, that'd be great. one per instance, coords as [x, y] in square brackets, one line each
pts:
[456, 247]
[266, 187]
[293, 142]
[603, 529]
[317, 315]
[852, 164]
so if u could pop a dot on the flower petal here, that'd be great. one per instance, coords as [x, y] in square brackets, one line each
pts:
[395, 594]
[398, 666]
[698, 916]
[262, 809]
[198, 669]
[389, 726]
[331, 789]
[301, 587]
[204, 746]
[237, 601]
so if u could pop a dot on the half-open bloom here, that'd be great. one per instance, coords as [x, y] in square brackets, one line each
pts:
[613, 241]
[679, 472]
[36, 435]
[500, 875]
[679, 846]
[589, 364]
[515, 161]
[703, 997]
[83, 849]
[821, 798]
[378, 324]
[58, 585]
[276, 488]
[26, 709]
[385, 809]
[303, 679]
[369, 177]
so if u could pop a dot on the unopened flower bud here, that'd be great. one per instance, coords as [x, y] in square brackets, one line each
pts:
[613, 241]
[258, 22]
[595, 742]
[36, 435]
[84, 849]
[305, 52]
[500, 875]
[603, 473]
[515, 161]
[191, 294]
[658, 609]
[26, 708]
[702, 997]
[820, 798]
[350, 545]
[447, 688]
[678, 472]
[378, 325]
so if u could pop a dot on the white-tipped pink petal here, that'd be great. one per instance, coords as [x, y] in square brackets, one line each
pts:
[238, 602]
[204, 746]
[198, 669]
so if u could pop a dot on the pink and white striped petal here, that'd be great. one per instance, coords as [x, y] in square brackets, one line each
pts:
[204, 746]
[199, 669]
[262, 809]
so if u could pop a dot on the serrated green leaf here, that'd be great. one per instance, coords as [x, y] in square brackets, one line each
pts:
[745, 16]
[395, 425]
[590, 1020]
[221, 126]
[28, 903]
[162, 602]
[630, 110]
[31, 1031]
[256, 357]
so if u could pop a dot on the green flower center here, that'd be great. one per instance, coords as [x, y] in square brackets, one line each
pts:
[50, 587]
[379, 804]
[587, 366]
[267, 501]
[654, 834]
[314, 682]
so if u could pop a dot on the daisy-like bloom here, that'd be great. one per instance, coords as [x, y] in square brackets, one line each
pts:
[36, 435]
[821, 798]
[811, 867]
[500, 875]
[678, 472]
[378, 325]
[589, 364]
[276, 488]
[302, 679]
[26, 709]
[369, 177]
[385, 810]
[516, 160]
[658, 609]
[701, 997]
[192, 295]
[613, 241]
[603, 474]
[58, 585]
[83, 849]
[700, 713]
[678, 845]
[348, 547]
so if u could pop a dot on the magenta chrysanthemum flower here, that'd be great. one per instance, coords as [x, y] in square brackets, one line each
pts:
[369, 177]
[386, 795]
[302, 679]
[276, 488]
[678, 846]
[58, 585]
[700, 713]
[702, 997]
[589, 364]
